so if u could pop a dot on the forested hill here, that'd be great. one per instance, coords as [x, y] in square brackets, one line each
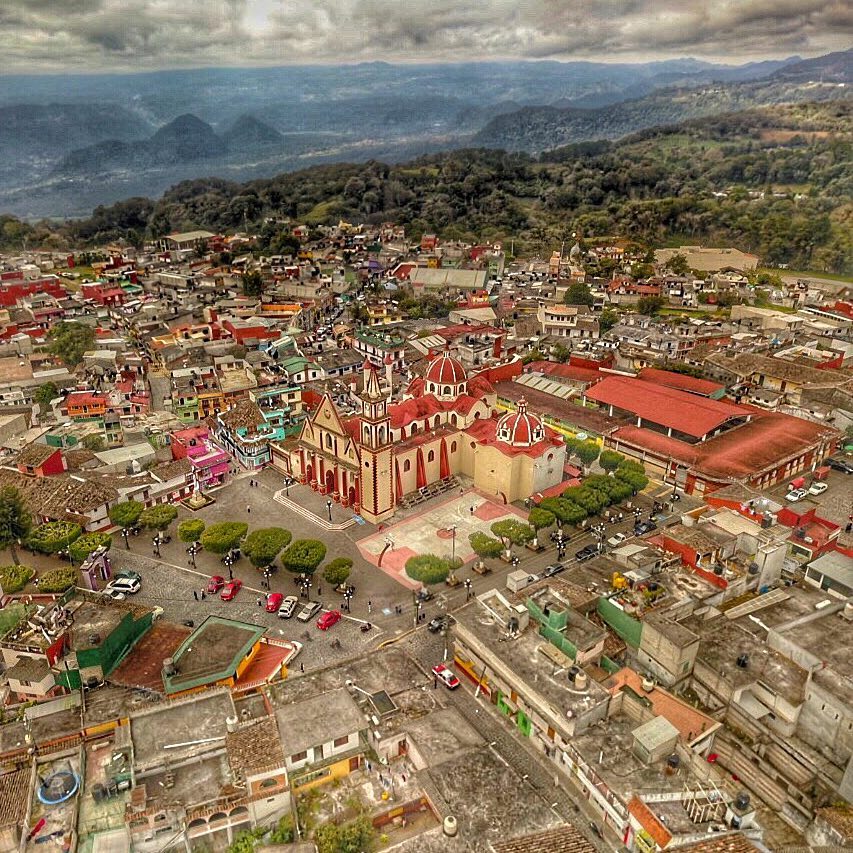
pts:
[776, 182]
[540, 128]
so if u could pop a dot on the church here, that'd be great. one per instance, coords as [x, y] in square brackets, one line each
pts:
[445, 425]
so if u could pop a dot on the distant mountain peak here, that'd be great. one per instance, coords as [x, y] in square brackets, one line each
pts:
[250, 130]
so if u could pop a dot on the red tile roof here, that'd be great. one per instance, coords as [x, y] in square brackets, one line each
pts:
[746, 451]
[650, 823]
[668, 407]
[682, 381]
[565, 371]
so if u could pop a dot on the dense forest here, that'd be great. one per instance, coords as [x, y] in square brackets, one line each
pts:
[776, 182]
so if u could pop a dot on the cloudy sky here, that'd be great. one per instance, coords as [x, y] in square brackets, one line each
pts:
[124, 35]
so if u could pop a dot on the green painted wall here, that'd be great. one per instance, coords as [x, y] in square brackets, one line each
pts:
[628, 628]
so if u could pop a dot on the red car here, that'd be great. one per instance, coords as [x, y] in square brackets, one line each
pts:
[230, 590]
[329, 618]
[445, 676]
[274, 600]
[215, 584]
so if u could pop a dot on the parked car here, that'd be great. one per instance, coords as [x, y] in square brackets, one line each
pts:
[288, 607]
[617, 540]
[215, 584]
[553, 569]
[796, 495]
[329, 618]
[274, 600]
[308, 610]
[818, 488]
[230, 590]
[586, 553]
[425, 595]
[840, 465]
[129, 586]
[445, 676]
[129, 574]
[114, 594]
[642, 527]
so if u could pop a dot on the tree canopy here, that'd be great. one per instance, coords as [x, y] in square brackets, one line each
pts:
[126, 514]
[579, 293]
[609, 460]
[16, 522]
[221, 537]
[158, 517]
[262, 546]
[54, 536]
[337, 571]
[303, 556]
[540, 518]
[68, 341]
[45, 393]
[485, 546]
[191, 530]
[511, 531]
[428, 568]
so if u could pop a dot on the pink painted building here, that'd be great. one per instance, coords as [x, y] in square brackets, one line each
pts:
[211, 465]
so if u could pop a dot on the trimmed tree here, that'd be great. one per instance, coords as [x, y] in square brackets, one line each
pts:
[587, 452]
[221, 537]
[158, 517]
[539, 519]
[15, 520]
[54, 536]
[88, 542]
[610, 460]
[511, 532]
[484, 546]
[264, 545]
[428, 568]
[336, 571]
[191, 530]
[125, 515]
[633, 474]
[303, 556]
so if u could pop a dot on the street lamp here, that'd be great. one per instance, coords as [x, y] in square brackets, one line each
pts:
[329, 507]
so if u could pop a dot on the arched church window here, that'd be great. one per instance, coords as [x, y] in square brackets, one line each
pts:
[407, 465]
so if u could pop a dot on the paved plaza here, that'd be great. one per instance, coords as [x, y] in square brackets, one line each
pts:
[432, 532]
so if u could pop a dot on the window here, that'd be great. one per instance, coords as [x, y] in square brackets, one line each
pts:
[453, 447]
[299, 756]
[328, 441]
[342, 741]
[407, 465]
[431, 456]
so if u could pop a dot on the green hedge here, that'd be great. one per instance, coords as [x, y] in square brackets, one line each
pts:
[58, 580]
[54, 536]
[15, 578]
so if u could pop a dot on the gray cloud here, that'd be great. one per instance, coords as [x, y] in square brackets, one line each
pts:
[53, 35]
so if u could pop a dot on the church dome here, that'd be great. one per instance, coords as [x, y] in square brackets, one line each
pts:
[445, 377]
[520, 428]
[445, 369]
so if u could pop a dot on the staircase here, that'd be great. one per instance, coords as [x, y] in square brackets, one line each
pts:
[310, 516]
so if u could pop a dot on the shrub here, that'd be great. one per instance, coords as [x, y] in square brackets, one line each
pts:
[337, 571]
[126, 513]
[428, 568]
[191, 530]
[54, 536]
[15, 578]
[512, 531]
[88, 542]
[221, 537]
[610, 460]
[540, 518]
[303, 556]
[58, 580]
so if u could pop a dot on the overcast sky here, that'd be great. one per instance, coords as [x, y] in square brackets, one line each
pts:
[123, 35]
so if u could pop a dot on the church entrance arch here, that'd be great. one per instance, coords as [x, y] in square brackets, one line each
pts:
[309, 473]
[330, 482]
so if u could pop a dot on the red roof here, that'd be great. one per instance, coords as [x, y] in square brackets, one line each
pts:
[418, 408]
[703, 387]
[646, 818]
[485, 430]
[668, 407]
[520, 428]
[445, 369]
[746, 451]
[84, 398]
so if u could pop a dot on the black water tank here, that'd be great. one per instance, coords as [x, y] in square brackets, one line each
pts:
[743, 661]
[673, 761]
[742, 801]
[98, 792]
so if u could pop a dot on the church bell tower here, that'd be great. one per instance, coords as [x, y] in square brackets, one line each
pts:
[377, 458]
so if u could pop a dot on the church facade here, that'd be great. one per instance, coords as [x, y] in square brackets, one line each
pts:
[445, 425]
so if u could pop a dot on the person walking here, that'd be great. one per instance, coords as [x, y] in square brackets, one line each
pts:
[203, 595]
[195, 594]
[260, 602]
[248, 510]
[369, 607]
[302, 667]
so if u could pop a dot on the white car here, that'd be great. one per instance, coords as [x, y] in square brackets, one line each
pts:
[817, 488]
[114, 594]
[796, 495]
[128, 586]
[617, 540]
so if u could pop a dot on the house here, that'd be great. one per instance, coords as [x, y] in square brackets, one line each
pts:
[324, 737]
[85, 406]
[246, 434]
[40, 460]
[574, 322]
